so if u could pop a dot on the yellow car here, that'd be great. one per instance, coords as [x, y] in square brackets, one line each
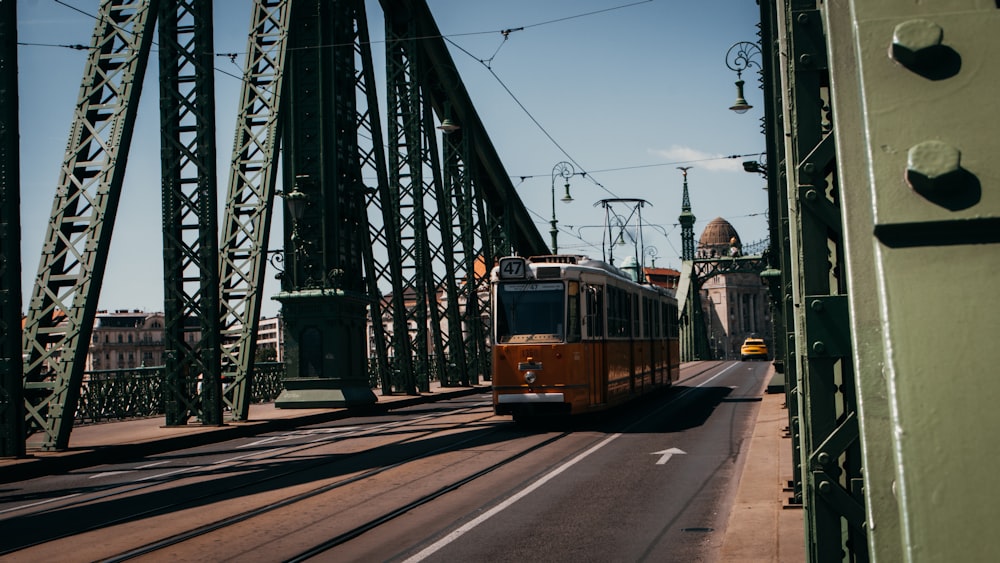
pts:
[753, 349]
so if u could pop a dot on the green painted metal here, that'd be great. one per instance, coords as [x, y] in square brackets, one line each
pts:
[914, 82]
[472, 249]
[373, 164]
[250, 200]
[406, 172]
[114, 395]
[324, 298]
[413, 169]
[190, 223]
[505, 211]
[447, 219]
[11, 399]
[830, 449]
[63, 304]
[778, 271]
[448, 193]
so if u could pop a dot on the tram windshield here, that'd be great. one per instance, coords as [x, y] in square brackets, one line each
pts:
[530, 312]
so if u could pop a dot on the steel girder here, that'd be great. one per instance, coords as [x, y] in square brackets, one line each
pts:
[250, 199]
[412, 159]
[472, 356]
[778, 275]
[828, 430]
[471, 211]
[914, 86]
[379, 201]
[190, 224]
[11, 397]
[64, 300]
[504, 210]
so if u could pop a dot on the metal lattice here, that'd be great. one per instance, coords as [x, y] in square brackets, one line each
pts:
[190, 224]
[11, 400]
[250, 199]
[64, 300]
[830, 453]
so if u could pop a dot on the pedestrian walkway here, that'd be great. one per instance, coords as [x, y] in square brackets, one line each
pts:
[761, 526]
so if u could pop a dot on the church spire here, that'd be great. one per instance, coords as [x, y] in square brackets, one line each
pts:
[686, 220]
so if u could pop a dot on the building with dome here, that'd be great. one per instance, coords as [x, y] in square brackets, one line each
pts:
[735, 305]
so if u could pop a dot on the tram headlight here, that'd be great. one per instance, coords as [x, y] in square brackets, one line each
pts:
[530, 377]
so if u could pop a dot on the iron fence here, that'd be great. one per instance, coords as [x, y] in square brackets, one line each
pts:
[122, 394]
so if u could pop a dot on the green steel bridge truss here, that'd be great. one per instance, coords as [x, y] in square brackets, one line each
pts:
[443, 206]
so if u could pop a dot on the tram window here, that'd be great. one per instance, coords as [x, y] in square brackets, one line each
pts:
[573, 312]
[595, 311]
[635, 315]
[530, 309]
[648, 328]
[618, 312]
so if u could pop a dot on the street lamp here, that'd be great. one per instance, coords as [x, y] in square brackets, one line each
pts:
[564, 170]
[739, 57]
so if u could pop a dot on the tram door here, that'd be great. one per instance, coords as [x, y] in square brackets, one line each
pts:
[595, 344]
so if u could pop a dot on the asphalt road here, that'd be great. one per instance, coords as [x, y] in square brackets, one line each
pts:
[653, 481]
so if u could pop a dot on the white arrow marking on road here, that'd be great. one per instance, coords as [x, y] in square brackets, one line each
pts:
[665, 455]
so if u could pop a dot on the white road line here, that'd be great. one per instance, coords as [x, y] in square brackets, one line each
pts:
[251, 454]
[174, 472]
[154, 464]
[110, 473]
[462, 530]
[39, 503]
[433, 548]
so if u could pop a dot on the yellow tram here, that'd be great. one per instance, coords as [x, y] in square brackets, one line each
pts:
[574, 335]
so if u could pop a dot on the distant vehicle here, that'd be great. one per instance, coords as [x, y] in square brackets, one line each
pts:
[753, 349]
[574, 335]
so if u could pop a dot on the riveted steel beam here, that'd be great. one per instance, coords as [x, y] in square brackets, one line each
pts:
[190, 224]
[825, 383]
[11, 398]
[914, 106]
[250, 200]
[63, 304]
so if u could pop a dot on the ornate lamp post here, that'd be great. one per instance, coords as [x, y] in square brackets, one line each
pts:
[564, 170]
[739, 57]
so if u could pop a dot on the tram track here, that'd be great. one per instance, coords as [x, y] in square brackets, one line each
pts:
[118, 491]
[333, 542]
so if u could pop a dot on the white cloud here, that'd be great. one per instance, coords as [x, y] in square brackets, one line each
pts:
[700, 159]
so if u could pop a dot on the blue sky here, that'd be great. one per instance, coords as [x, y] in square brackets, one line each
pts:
[627, 91]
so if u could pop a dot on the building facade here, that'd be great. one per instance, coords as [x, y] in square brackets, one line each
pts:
[735, 305]
[126, 339]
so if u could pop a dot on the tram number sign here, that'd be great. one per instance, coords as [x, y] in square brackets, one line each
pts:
[513, 268]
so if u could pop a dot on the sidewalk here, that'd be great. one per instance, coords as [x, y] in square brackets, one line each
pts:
[762, 526]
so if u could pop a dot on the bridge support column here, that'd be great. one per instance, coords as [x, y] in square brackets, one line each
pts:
[325, 350]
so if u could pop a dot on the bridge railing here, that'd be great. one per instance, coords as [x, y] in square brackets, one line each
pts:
[122, 394]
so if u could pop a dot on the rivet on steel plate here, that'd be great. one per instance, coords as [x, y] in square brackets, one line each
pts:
[931, 166]
[915, 43]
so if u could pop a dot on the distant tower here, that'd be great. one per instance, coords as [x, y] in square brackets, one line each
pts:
[687, 220]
